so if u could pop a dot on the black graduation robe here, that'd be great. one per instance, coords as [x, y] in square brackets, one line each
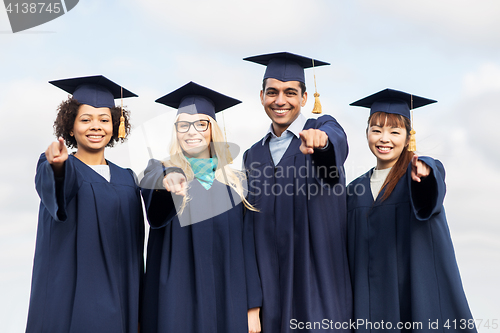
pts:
[88, 262]
[200, 277]
[300, 233]
[401, 256]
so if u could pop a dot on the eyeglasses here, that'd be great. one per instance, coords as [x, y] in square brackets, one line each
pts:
[199, 125]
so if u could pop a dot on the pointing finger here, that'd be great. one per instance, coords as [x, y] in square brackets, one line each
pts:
[61, 143]
[55, 149]
[414, 160]
[305, 150]
[62, 146]
[165, 184]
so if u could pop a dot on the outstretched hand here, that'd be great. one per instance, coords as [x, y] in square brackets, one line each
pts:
[175, 183]
[56, 155]
[419, 169]
[57, 152]
[311, 139]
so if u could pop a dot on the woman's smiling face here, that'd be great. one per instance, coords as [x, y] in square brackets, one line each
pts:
[93, 128]
[194, 142]
[386, 143]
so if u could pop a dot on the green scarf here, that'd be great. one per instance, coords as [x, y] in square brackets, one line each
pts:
[204, 170]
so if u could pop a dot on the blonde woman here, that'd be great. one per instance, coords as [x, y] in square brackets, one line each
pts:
[201, 274]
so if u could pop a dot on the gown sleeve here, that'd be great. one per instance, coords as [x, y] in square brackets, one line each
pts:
[254, 288]
[160, 208]
[56, 192]
[427, 196]
[335, 154]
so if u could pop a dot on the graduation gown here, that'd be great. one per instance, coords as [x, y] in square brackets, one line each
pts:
[199, 277]
[300, 233]
[89, 251]
[401, 257]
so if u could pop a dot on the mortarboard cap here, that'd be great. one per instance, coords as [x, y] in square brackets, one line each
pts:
[393, 101]
[97, 91]
[285, 66]
[396, 102]
[193, 99]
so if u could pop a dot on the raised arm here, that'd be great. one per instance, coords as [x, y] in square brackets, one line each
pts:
[427, 186]
[55, 180]
[157, 187]
[329, 148]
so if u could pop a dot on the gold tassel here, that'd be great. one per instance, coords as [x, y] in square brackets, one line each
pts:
[317, 104]
[121, 129]
[412, 146]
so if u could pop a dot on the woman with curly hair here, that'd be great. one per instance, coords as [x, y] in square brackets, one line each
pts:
[88, 259]
[403, 268]
[201, 275]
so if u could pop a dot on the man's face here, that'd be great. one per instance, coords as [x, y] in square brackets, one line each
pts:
[282, 102]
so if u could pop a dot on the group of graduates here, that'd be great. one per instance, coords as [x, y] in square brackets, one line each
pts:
[271, 248]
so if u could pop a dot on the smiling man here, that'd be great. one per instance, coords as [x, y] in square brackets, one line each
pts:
[296, 180]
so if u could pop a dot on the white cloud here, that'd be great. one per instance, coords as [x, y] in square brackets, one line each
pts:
[232, 24]
[476, 114]
[486, 79]
[461, 20]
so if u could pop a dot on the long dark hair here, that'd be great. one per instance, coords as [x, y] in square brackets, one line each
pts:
[399, 169]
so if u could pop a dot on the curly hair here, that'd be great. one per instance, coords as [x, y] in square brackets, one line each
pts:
[65, 120]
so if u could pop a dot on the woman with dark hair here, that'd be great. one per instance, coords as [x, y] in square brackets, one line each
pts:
[201, 274]
[88, 260]
[402, 262]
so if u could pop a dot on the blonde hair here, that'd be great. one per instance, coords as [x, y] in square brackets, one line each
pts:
[224, 173]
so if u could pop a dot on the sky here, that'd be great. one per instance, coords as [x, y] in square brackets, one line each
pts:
[447, 50]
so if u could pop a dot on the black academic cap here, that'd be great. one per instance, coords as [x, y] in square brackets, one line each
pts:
[97, 91]
[285, 66]
[392, 101]
[192, 98]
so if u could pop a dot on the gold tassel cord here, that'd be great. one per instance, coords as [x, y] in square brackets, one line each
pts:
[121, 129]
[412, 146]
[317, 104]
